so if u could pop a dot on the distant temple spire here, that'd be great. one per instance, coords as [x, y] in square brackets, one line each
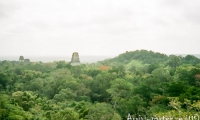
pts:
[21, 59]
[75, 59]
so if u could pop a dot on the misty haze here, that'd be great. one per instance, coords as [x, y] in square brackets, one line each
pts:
[99, 60]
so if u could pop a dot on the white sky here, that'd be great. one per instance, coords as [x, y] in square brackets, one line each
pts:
[98, 27]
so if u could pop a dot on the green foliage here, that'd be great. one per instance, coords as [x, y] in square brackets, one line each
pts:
[65, 94]
[174, 61]
[11, 111]
[138, 82]
[82, 108]
[190, 59]
[102, 111]
[187, 73]
[120, 88]
[66, 114]
[26, 99]
[145, 56]
[161, 74]
[176, 88]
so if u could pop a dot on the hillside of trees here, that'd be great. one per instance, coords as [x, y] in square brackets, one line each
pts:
[139, 83]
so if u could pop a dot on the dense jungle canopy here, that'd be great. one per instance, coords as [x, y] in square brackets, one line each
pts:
[139, 83]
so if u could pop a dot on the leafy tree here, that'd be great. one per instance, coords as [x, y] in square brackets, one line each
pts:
[152, 67]
[174, 61]
[24, 99]
[187, 73]
[190, 59]
[61, 64]
[102, 111]
[99, 85]
[176, 88]
[66, 114]
[161, 74]
[82, 108]
[92, 72]
[65, 94]
[174, 103]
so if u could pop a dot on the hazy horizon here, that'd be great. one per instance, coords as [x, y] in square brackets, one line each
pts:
[67, 58]
[83, 59]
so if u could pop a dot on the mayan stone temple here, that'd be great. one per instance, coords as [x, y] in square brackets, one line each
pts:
[21, 59]
[75, 59]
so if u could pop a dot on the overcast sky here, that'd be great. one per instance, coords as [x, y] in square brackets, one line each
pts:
[98, 27]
